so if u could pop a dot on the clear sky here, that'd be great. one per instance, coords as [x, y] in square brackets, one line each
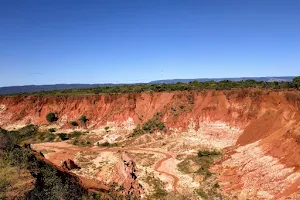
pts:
[125, 41]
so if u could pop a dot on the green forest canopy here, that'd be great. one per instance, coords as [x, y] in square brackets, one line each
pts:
[195, 85]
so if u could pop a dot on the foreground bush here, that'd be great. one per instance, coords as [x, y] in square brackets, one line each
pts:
[51, 117]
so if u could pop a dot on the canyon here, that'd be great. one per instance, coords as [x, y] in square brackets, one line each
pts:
[251, 136]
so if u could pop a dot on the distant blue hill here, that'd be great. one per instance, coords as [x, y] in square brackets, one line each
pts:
[38, 88]
[266, 79]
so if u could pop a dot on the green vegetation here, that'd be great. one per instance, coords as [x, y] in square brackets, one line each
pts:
[51, 117]
[201, 193]
[151, 126]
[208, 153]
[74, 123]
[191, 100]
[67, 136]
[81, 143]
[155, 124]
[51, 130]
[195, 85]
[18, 136]
[159, 191]
[43, 137]
[106, 128]
[296, 82]
[63, 136]
[202, 162]
[13, 160]
[137, 131]
[75, 134]
[19, 167]
[107, 144]
[83, 119]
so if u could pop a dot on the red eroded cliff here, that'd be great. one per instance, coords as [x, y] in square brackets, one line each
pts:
[270, 121]
[236, 107]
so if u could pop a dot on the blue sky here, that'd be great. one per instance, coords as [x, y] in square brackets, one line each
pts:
[125, 41]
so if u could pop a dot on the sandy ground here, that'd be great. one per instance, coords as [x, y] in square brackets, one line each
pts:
[156, 157]
[154, 154]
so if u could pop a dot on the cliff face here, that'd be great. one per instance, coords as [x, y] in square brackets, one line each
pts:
[236, 107]
[270, 121]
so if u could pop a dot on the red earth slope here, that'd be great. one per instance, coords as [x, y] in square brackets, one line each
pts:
[270, 120]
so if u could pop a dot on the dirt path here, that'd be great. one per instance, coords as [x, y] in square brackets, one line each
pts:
[69, 151]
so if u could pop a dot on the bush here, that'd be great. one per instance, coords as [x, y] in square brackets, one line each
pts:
[6, 143]
[154, 124]
[74, 123]
[51, 117]
[51, 130]
[24, 133]
[63, 136]
[137, 131]
[296, 82]
[208, 153]
[4, 184]
[75, 134]
[50, 137]
[106, 128]
[75, 142]
[83, 119]
[107, 144]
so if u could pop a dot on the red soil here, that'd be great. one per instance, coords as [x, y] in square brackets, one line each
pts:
[271, 117]
[66, 150]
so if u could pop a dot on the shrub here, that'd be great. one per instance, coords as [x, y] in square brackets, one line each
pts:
[24, 133]
[208, 153]
[20, 158]
[201, 193]
[296, 82]
[107, 144]
[5, 142]
[50, 137]
[106, 128]
[154, 124]
[51, 130]
[75, 134]
[83, 119]
[74, 123]
[4, 184]
[63, 136]
[137, 131]
[51, 117]
[75, 142]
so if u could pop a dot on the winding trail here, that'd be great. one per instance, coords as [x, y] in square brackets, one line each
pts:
[70, 151]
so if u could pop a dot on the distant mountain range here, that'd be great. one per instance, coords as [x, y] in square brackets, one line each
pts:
[38, 88]
[266, 79]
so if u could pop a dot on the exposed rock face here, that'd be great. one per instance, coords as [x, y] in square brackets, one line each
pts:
[125, 175]
[69, 165]
[264, 163]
